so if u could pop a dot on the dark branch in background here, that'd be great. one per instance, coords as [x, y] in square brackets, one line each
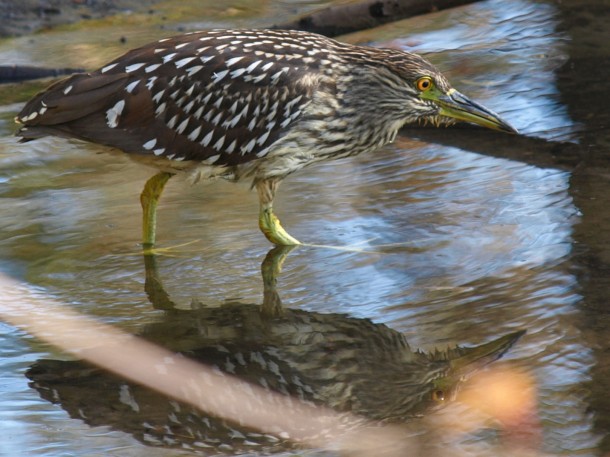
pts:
[17, 73]
[332, 21]
[341, 19]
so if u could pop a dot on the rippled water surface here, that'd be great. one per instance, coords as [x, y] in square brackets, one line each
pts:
[452, 237]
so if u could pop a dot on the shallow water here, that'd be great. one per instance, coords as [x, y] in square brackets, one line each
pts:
[449, 242]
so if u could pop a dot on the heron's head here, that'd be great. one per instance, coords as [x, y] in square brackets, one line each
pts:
[429, 97]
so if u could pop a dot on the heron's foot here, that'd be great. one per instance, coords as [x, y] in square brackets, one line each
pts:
[273, 230]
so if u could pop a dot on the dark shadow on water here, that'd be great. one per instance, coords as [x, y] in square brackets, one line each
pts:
[346, 363]
[588, 65]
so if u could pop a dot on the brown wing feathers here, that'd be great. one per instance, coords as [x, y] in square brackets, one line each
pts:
[221, 97]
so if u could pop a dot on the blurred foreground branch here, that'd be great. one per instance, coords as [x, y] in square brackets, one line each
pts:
[193, 383]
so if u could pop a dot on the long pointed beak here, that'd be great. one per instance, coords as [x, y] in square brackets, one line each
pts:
[458, 106]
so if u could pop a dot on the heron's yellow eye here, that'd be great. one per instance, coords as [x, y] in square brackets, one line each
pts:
[438, 395]
[424, 83]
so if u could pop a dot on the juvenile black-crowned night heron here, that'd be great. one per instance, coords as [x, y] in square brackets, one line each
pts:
[247, 104]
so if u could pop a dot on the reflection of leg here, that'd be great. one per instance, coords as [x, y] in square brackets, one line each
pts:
[153, 286]
[267, 221]
[270, 270]
[149, 199]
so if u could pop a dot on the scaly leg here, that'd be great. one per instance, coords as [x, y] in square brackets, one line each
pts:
[267, 221]
[149, 199]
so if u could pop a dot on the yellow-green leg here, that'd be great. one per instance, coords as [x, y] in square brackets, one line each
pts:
[267, 221]
[149, 199]
[270, 270]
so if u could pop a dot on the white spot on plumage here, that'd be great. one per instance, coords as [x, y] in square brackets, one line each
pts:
[219, 143]
[191, 71]
[206, 99]
[172, 122]
[33, 115]
[133, 67]
[190, 90]
[233, 107]
[131, 86]
[150, 144]
[263, 137]
[157, 97]
[182, 62]
[231, 147]
[197, 114]
[206, 59]
[235, 120]
[291, 103]
[189, 106]
[68, 89]
[275, 76]
[233, 60]
[159, 151]
[220, 75]
[158, 50]
[248, 147]
[267, 66]
[210, 160]
[218, 101]
[200, 50]
[216, 120]
[252, 123]
[162, 40]
[169, 57]
[194, 134]
[237, 73]
[161, 109]
[222, 46]
[151, 82]
[181, 45]
[206, 139]
[113, 114]
[272, 111]
[260, 77]
[152, 67]
[182, 127]
[253, 65]
[263, 152]
[108, 67]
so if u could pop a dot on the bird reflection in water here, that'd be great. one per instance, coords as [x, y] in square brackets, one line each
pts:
[349, 364]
